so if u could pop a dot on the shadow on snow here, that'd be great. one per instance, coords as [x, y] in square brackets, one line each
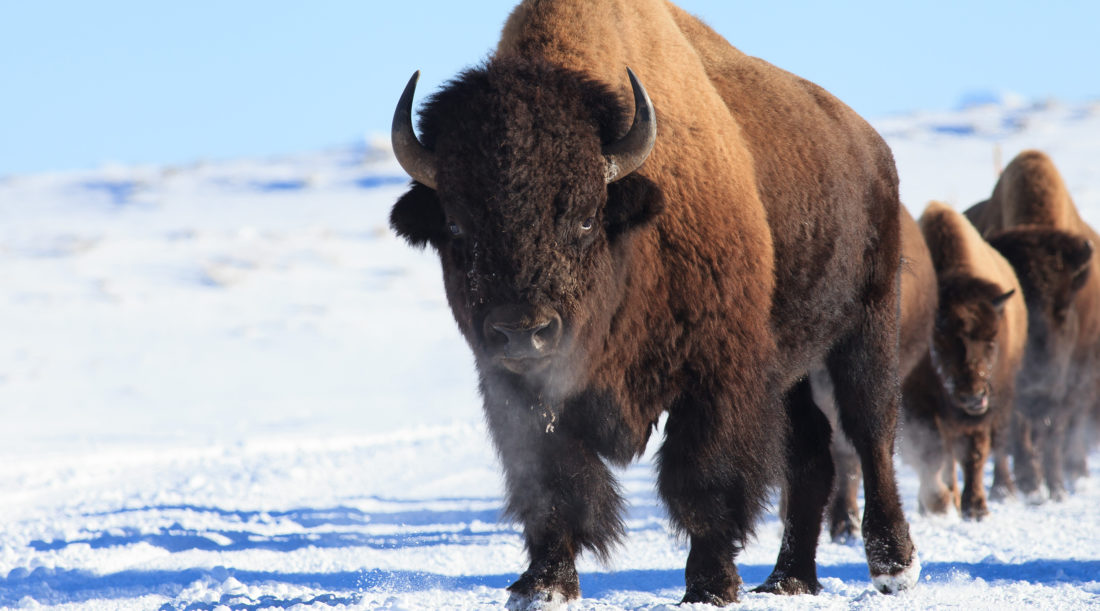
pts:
[58, 586]
[341, 527]
[453, 527]
[335, 516]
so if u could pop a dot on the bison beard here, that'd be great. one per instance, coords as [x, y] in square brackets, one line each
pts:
[595, 298]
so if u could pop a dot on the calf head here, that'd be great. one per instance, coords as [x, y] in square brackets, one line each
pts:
[1052, 267]
[524, 187]
[965, 339]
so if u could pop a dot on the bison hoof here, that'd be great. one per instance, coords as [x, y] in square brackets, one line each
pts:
[700, 595]
[936, 504]
[780, 584]
[845, 531]
[1001, 493]
[1058, 494]
[540, 601]
[897, 581]
[544, 589]
[1035, 498]
[975, 512]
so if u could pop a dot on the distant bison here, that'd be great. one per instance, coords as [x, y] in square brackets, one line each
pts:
[696, 261]
[1032, 221]
[958, 402]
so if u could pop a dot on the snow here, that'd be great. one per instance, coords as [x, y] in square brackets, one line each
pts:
[229, 386]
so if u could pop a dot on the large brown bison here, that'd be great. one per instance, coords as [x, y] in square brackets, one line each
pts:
[696, 261]
[918, 309]
[1032, 220]
[959, 401]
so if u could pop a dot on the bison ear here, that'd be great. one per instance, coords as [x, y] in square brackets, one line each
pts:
[1080, 261]
[632, 202]
[1080, 277]
[418, 217]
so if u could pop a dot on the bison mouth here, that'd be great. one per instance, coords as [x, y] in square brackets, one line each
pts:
[974, 404]
[524, 365]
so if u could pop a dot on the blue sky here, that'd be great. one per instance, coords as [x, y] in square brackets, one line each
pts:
[88, 83]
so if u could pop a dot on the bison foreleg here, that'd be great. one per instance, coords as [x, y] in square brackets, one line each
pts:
[1003, 487]
[1026, 461]
[1077, 446]
[714, 476]
[976, 452]
[809, 482]
[1053, 444]
[564, 496]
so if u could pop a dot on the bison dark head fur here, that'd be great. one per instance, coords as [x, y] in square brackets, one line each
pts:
[1052, 266]
[965, 342]
[532, 238]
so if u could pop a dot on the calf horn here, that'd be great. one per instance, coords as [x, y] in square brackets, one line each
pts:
[415, 158]
[629, 152]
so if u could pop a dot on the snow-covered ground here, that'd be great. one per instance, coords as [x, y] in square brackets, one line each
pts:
[227, 385]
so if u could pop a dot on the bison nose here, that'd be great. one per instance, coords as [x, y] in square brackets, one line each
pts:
[522, 333]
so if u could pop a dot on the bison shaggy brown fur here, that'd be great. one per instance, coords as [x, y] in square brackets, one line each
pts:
[958, 403]
[1033, 221]
[759, 237]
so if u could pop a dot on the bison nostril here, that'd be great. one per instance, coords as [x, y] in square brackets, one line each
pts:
[538, 340]
[522, 334]
[546, 337]
[496, 335]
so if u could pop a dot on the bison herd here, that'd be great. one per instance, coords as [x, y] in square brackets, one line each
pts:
[635, 220]
[1007, 308]
[1017, 366]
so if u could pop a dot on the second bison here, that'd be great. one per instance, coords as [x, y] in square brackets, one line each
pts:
[959, 400]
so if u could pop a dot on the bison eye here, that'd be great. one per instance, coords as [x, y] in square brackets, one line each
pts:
[588, 223]
[454, 228]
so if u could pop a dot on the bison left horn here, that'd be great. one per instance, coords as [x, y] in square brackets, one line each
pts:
[415, 158]
[629, 152]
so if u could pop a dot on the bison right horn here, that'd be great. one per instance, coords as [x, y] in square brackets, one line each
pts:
[415, 158]
[629, 152]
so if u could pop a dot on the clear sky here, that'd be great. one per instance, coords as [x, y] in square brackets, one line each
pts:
[88, 83]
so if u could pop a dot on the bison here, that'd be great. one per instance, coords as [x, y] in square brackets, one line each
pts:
[959, 401]
[1031, 219]
[695, 260]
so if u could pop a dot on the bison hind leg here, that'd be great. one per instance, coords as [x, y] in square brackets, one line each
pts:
[809, 483]
[864, 368]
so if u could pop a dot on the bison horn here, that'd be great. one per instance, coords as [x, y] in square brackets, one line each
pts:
[630, 152]
[415, 158]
